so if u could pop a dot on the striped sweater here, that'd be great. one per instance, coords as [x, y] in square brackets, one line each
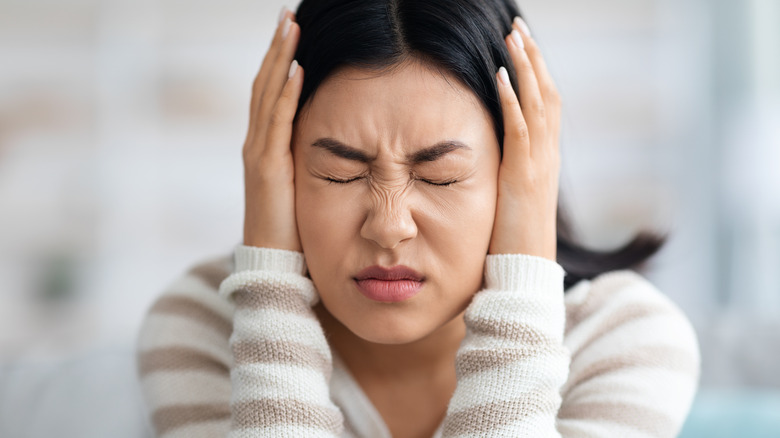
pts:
[233, 348]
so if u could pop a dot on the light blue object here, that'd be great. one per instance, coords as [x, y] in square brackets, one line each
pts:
[734, 413]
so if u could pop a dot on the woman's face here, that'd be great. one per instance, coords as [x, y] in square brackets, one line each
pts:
[380, 134]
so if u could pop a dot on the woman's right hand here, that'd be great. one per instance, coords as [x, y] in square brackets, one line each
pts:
[269, 218]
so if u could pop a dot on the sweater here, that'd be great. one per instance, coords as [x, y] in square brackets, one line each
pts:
[233, 348]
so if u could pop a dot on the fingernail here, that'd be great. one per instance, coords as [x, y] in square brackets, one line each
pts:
[503, 75]
[282, 14]
[293, 69]
[286, 28]
[517, 38]
[524, 27]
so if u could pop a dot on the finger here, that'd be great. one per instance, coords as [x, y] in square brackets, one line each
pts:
[281, 121]
[546, 84]
[516, 140]
[530, 97]
[278, 76]
[262, 76]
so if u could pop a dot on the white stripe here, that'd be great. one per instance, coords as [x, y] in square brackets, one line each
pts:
[640, 386]
[272, 380]
[281, 431]
[659, 330]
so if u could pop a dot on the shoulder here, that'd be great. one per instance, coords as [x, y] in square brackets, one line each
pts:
[183, 356]
[190, 309]
[616, 298]
[197, 286]
[631, 347]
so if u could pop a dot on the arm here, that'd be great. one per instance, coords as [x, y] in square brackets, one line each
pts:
[282, 361]
[635, 361]
[512, 361]
[183, 358]
[631, 357]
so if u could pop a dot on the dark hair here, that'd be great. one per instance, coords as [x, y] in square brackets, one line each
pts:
[464, 38]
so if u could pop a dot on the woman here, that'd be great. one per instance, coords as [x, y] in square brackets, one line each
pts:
[400, 274]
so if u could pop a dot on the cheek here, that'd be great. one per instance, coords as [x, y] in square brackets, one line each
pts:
[326, 223]
[459, 234]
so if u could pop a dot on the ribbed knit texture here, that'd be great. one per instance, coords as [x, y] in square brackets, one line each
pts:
[233, 348]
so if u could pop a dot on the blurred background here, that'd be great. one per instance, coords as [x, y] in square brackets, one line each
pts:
[121, 125]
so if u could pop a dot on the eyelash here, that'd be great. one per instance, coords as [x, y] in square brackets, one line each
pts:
[347, 181]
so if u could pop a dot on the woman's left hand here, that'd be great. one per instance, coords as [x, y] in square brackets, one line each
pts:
[528, 175]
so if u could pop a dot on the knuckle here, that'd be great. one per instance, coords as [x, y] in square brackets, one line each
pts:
[519, 131]
[277, 119]
[539, 109]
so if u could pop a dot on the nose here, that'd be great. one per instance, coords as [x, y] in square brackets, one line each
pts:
[388, 224]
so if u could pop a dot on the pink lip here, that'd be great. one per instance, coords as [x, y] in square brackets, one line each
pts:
[389, 285]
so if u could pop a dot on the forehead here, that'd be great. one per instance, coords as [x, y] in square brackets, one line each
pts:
[410, 103]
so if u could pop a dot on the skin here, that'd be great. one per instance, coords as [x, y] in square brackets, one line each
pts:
[390, 210]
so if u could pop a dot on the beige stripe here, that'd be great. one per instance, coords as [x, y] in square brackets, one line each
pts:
[643, 418]
[211, 273]
[480, 420]
[283, 353]
[477, 361]
[621, 316]
[509, 331]
[283, 299]
[205, 429]
[192, 309]
[656, 357]
[178, 359]
[267, 413]
[171, 417]
[190, 387]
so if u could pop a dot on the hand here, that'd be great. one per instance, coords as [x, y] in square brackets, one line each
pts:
[528, 174]
[269, 219]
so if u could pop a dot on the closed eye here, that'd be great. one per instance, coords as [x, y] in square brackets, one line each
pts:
[439, 184]
[342, 181]
[347, 181]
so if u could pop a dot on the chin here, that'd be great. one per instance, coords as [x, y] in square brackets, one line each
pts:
[391, 326]
[389, 337]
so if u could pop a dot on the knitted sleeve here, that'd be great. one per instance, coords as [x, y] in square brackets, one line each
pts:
[282, 360]
[629, 365]
[512, 362]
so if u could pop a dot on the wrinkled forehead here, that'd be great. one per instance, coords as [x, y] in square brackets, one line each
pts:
[411, 102]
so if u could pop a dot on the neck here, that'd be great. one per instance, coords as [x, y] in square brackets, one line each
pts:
[423, 358]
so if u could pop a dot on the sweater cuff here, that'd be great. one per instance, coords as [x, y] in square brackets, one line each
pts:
[252, 258]
[522, 272]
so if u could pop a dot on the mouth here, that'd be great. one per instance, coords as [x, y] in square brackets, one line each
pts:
[389, 285]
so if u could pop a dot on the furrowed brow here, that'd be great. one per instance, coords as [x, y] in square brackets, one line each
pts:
[339, 149]
[428, 154]
[436, 151]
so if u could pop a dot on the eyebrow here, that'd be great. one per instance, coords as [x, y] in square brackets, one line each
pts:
[428, 154]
